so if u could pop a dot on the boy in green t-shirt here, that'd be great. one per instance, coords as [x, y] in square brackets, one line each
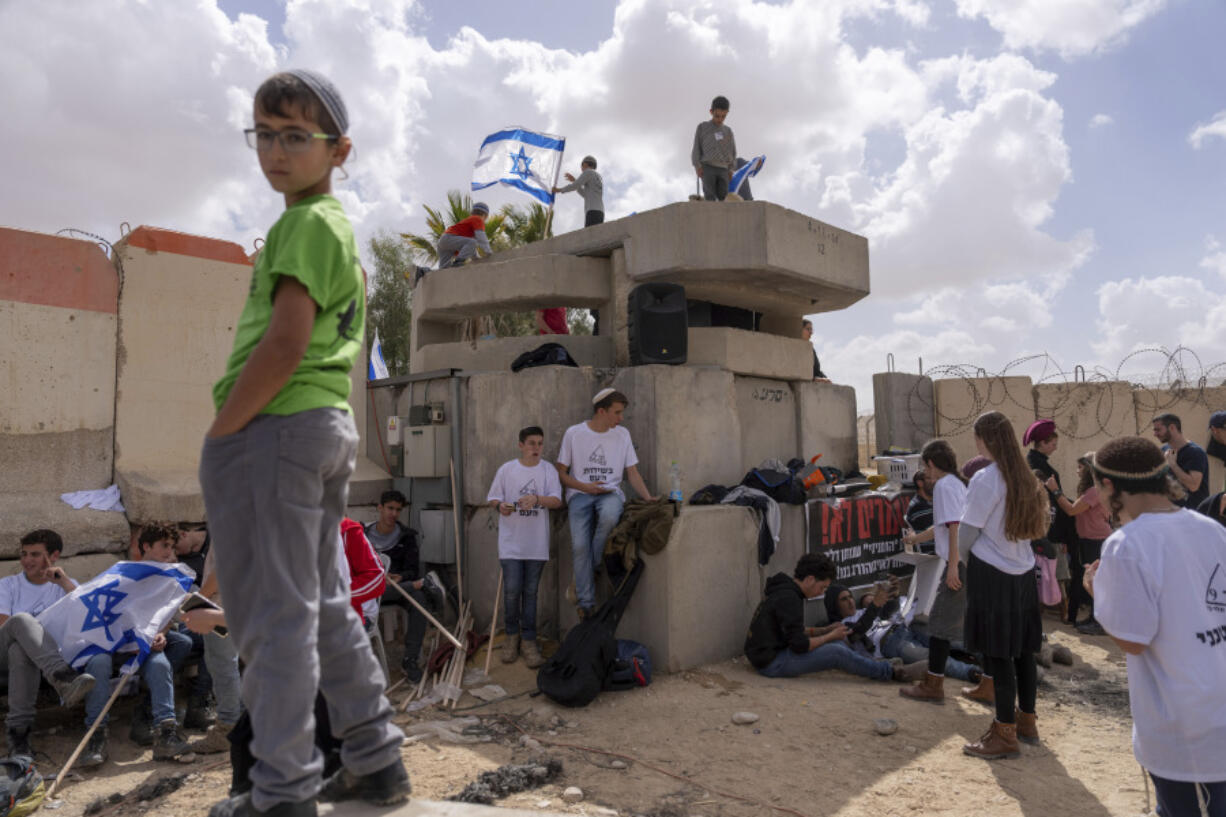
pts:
[275, 470]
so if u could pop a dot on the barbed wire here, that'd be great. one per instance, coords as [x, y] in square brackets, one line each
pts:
[1177, 376]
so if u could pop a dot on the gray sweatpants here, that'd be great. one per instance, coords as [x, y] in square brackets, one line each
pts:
[455, 248]
[715, 182]
[275, 493]
[30, 652]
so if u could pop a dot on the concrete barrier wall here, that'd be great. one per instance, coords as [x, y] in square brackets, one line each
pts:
[1087, 415]
[1193, 407]
[959, 402]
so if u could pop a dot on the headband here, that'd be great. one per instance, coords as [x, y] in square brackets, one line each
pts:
[1111, 472]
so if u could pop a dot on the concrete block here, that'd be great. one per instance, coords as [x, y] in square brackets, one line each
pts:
[750, 353]
[903, 410]
[1193, 407]
[960, 401]
[498, 404]
[696, 597]
[768, 420]
[62, 461]
[687, 414]
[161, 496]
[497, 354]
[513, 285]
[827, 421]
[81, 568]
[83, 531]
[791, 544]
[1087, 415]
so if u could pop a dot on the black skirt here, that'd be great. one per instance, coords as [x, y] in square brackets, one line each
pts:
[1002, 611]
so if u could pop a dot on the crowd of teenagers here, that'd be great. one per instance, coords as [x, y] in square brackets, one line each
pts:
[1141, 547]
[296, 583]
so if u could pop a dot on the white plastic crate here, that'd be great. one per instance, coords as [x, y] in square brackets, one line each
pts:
[900, 468]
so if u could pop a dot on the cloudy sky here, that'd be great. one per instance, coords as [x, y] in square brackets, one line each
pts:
[1033, 175]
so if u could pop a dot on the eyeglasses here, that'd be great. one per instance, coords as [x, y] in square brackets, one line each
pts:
[292, 140]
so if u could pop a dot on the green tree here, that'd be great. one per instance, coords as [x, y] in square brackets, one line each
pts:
[388, 300]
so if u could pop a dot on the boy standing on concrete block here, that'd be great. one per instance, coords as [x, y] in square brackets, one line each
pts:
[275, 470]
[462, 240]
[591, 187]
[714, 152]
[524, 491]
[591, 460]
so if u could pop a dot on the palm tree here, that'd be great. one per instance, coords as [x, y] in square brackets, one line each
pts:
[424, 247]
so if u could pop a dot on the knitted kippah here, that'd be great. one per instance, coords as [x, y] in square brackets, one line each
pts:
[328, 96]
[602, 394]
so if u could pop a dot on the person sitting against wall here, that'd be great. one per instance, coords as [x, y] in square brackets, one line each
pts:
[779, 645]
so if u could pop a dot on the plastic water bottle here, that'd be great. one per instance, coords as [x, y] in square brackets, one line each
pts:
[674, 482]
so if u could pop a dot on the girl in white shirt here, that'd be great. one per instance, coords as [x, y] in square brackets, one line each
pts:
[1160, 592]
[1009, 507]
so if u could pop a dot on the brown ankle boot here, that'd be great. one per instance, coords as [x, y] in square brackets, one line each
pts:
[984, 691]
[930, 688]
[1027, 730]
[1000, 741]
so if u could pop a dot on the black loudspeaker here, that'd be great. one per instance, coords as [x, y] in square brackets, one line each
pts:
[658, 326]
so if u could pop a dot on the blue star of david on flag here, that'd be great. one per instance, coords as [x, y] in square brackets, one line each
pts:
[100, 608]
[521, 159]
[520, 162]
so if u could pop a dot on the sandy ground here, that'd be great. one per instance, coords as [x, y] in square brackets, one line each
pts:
[813, 751]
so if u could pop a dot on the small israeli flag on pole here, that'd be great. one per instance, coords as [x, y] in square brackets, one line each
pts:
[521, 159]
[377, 370]
[746, 170]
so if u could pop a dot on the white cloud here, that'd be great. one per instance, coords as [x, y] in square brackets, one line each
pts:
[1071, 27]
[1215, 256]
[1166, 311]
[1101, 120]
[1215, 127]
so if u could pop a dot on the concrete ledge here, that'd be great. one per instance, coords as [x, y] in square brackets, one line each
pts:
[162, 496]
[56, 461]
[81, 568]
[512, 285]
[497, 354]
[83, 531]
[753, 353]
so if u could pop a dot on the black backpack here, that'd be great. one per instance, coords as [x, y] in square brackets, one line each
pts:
[580, 669]
[781, 486]
[547, 354]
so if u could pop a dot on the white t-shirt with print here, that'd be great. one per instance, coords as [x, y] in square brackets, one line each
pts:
[948, 503]
[1162, 582]
[524, 534]
[597, 457]
[19, 595]
[985, 509]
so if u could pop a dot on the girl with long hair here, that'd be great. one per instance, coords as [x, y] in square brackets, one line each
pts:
[1009, 507]
[1160, 593]
[1093, 525]
[948, 612]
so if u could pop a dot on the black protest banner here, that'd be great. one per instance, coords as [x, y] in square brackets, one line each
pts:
[860, 534]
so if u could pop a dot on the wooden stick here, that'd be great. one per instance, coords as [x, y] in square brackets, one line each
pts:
[489, 647]
[425, 612]
[63, 772]
[455, 512]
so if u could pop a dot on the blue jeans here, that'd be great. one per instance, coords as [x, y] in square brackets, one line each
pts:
[902, 642]
[834, 655]
[1177, 798]
[520, 578]
[158, 672]
[592, 518]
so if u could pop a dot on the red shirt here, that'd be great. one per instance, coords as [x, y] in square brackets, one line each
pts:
[468, 226]
[366, 578]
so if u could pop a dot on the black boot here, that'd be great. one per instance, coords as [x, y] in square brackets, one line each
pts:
[384, 787]
[19, 741]
[170, 743]
[141, 730]
[200, 713]
[411, 670]
[95, 751]
[240, 806]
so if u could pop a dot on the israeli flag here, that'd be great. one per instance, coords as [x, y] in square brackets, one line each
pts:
[522, 159]
[750, 168]
[119, 610]
[377, 370]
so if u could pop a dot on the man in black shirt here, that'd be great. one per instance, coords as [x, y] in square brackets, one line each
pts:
[1188, 462]
[919, 510]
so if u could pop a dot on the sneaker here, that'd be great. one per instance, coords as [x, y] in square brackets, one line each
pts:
[200, 713]
[418, 274]
[510, 649]
[19, 742]
[240, 806]
[170, 744]
[216, 739]
[71, 685]
[411, 670]
[141, 730]
[387, 786]
[532, 654]
[433, 585]
[1091, 627]
[95, 751]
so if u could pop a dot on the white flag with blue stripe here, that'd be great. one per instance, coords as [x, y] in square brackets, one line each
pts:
[119, 610]
[743, 172]
[377, 370]
[522, 159]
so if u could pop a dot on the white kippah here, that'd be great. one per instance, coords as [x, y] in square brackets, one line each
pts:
[602, 394]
